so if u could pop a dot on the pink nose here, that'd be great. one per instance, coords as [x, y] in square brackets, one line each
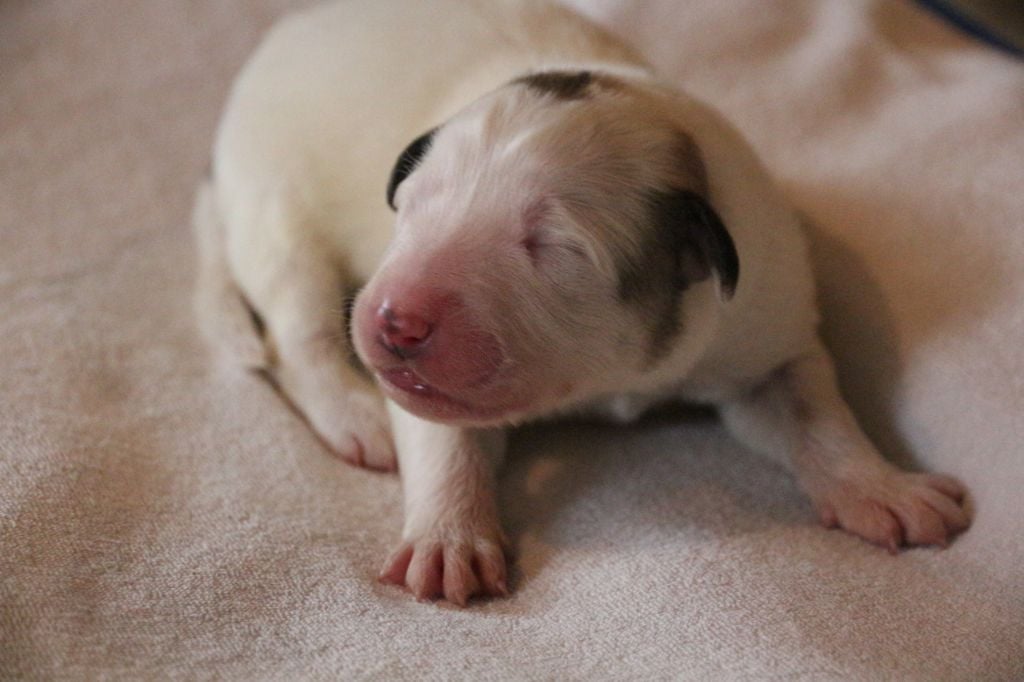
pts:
[404, 334]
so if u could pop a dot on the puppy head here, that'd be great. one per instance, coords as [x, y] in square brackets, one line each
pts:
[554, 242]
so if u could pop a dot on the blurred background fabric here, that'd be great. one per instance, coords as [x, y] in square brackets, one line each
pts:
[163, 518]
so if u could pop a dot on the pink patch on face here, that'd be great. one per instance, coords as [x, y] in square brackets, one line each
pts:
[431, 353]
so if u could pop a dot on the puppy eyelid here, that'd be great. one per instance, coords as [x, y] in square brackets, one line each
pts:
[537, 241]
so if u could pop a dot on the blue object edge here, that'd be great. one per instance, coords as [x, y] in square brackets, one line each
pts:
[970, 26]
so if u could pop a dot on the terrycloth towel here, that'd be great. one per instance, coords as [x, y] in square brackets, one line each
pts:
[163, 519]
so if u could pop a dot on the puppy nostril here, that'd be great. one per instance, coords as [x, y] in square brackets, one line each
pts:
[402, 332]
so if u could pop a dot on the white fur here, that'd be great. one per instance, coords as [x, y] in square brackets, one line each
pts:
[311, 131]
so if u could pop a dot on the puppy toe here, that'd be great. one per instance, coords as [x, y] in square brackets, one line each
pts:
[922, 525]
[425, 575]
[397, 565]
[492, 567]
[460, 583]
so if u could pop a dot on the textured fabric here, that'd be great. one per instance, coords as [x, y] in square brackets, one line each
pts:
[160, 518]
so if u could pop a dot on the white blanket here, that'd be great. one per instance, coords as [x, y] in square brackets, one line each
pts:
[159, 519]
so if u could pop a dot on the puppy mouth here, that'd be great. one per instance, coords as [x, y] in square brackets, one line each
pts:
[408, 381]
[418, 396]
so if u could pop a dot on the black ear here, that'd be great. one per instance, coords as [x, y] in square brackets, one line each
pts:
[407, 162]
[701, 242]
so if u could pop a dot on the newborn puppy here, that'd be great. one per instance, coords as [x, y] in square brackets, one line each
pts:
[569, 234]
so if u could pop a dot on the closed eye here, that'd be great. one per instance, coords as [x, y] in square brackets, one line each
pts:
[543, 242]
[541, 247]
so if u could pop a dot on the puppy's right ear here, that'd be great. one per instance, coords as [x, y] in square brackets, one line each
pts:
[407, 162]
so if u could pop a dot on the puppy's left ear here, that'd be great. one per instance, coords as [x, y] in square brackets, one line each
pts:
[407, 162]
[706, 245]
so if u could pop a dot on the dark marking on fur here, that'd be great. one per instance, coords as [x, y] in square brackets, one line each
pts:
[684, 243]
[565, 85]
[787, 379]
[689, 163]
[407, 162]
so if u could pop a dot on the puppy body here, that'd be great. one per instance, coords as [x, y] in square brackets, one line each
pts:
[570, 235]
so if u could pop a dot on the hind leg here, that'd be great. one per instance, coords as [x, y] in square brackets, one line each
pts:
[798, 415]
[225, 317]
[297, 287]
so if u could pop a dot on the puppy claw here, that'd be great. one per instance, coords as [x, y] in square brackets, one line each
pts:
[394, 569]
[827, 515]
[358, 433]
[353, 454]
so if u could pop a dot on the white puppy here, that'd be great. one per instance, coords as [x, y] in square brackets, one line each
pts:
[569, 234]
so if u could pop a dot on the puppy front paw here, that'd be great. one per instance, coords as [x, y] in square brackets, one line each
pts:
[454, 563]
[891, 508]
[357, 431]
